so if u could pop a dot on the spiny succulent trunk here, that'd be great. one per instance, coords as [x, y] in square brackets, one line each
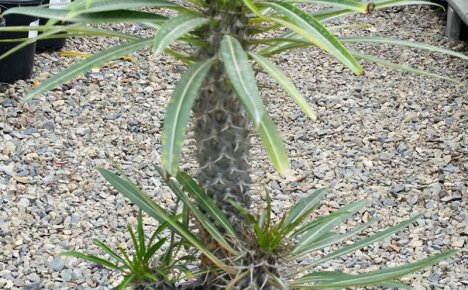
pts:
[222, 136]
[221, 124]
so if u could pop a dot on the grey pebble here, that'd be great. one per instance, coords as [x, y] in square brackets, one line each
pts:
[66, 275]
[57, 264]
[49, 125]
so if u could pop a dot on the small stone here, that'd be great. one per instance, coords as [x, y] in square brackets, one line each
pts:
[398, 188]
[8, 169]
[367, 163]
[451, 169]
[21, 179]
[58, 103]
[436, 188]
[49, 125]
[75, 218]
[56, 264]
[30, 131]
[9, 148]
[66, 275]
[33, 286]
[23, 203]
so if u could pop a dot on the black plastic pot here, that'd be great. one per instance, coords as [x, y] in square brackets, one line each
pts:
[55, 43]
[19, 65]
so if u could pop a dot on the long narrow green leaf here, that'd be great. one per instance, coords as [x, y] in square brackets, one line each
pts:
[30, 40]
[152, 249]
[364, 242]
[81, 67]
[312, 30]
[116, 16]
[136, 244]
[377, 60]
[251, 5]
[304, 207]
[126, 282]
[314, 233]
[334, 13]
[379, 4]
[92, 259]
[110, 251]
[351, 208]
[174, 28]
[141, 235]
[322, 243]
[204, 220]
[285, 83]
[77, 29]
[346, 4]
[178, 113]
[394, 285]
[109, 5]
[398, 42]
[371, 278]
[150, 207]
[321, 228]
[241, 74]
[205, 202]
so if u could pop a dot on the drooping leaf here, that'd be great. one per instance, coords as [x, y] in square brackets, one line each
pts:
[110, 5]
[399, 42]
[312, 30]
[115, 16]
[178, 113]
[92, 259]
[285, 83]
[360, 7]
[110, 252]
[241, 74]
[335, 13]
[83, 66]
[378, 60]
[174, 28]
[28, 41]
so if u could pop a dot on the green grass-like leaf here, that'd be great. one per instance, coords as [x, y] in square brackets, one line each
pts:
[132, 192]
[312, 30]
[81, 67]
[174, 28]
[285, 83]
[333, 280]
[241, 74]
[178, 114]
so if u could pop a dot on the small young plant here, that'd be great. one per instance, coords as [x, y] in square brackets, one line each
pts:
[146, 266]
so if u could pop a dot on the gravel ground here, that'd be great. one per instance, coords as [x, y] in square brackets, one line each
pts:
[394, 139]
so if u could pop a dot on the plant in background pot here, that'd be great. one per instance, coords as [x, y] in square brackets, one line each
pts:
[221, 42]
[52, 43]
[19, 65]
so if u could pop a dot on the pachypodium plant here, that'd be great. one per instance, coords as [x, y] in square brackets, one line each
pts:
[222, 42]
